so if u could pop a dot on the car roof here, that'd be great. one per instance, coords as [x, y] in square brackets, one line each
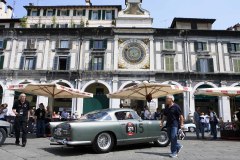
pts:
[113, 110]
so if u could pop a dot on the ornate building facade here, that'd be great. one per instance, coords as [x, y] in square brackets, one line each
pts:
[101, 49]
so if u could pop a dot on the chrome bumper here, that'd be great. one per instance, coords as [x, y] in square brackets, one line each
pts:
[65, 142]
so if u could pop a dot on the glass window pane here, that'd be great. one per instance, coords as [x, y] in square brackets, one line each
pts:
[238, 47]
[204, 46]
[64, 44]
[95, 15]
[108, 15]
[1, 44]
[34, 13]
[49, 13]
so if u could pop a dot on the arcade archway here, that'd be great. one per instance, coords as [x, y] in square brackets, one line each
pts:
[99, 100]
[204, 102]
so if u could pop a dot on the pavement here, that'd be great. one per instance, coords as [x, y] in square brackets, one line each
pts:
[40, 149]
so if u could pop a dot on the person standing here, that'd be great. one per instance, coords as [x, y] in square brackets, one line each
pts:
[21, 109]
[40, 116]
[174, 117]
[203, 124]
[213, 123]
[196, 118]
[64, 115]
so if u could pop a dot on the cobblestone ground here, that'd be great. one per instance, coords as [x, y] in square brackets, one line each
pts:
[193, 150]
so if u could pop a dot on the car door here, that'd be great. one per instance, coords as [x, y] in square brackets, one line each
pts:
[132, 127]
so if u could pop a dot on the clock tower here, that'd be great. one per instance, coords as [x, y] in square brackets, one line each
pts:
[134, 16]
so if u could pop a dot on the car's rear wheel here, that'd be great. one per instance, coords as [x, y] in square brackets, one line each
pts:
[163, 140]
[3, 136]
[103, 143]
[191, 129]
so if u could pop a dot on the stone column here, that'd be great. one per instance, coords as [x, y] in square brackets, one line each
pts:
[114, 103]
[191, 99]
[13, 54]
[42, 99]
[224, 106]
[151, 54]
[46, 55]
[79, 101]
[188, 110]
[116, 52]
[220, 57]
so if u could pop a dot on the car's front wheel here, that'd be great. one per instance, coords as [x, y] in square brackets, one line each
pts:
[163, 140]
[103, 143]
[3, 136]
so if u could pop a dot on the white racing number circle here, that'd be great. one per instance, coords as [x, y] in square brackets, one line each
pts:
[130, 129]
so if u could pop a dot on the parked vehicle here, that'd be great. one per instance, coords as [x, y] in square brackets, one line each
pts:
[105, 129]
[5, 130]
[189, 127]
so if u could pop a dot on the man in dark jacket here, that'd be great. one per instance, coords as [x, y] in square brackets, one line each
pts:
[40, 116]
[21, 110]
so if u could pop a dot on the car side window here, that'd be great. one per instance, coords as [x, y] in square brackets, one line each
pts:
[124, 115]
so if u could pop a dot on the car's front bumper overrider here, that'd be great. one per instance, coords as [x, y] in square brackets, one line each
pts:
[66, 142]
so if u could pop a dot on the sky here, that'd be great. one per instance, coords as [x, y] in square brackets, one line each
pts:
[226, 12]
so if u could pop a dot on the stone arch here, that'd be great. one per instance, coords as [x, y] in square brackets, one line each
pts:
[64, 81]
[203, 83]
[235, 84]
[98, 81]
[172, 82]
[127, 83]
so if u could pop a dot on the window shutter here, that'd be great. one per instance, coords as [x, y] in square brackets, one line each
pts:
[43, 26]
[113, 14]
[4, 44]
[204, 46]
[196, 46]
[84, 12]
[57, 44]
[210, 65]
[171, 63]
[230, 49]
[68, 12]
[1, 62]
[22, 62]
[99, 14]
[58, 12]
[198, 66]
[103, 14]
[68, 62]
[34, 62]
[36, 25]
[54, 12]
[74, 13]
[55, 63]
[28, 12]
[57, 26]
[66, 25]
[105, 44]
[52, 25]
[91, 44]
[44, 12]
[90, 15]
[38, 12]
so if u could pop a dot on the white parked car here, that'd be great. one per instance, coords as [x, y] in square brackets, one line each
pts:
[189, 127]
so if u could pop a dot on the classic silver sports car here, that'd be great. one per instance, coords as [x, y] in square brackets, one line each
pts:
[107, 128]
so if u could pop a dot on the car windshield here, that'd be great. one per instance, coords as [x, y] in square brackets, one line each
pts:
[97, 116]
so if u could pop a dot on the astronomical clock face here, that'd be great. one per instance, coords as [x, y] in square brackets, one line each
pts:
[133, 55]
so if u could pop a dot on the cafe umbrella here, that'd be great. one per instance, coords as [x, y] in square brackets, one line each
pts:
[231, 92]
[51, 90]
[147, 91]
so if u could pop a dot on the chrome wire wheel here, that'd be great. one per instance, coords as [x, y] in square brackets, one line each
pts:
[163, 138]
[104, 141]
